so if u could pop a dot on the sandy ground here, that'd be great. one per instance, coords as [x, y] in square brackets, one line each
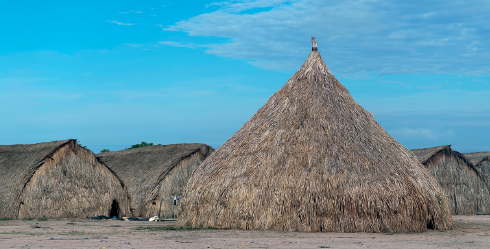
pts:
[470, 232]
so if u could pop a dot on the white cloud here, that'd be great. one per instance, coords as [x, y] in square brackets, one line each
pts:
[413, 133]
[22, 80]
[384, 36]
[133, 45]
[121, 23]
[393, 82]
[430, 87]
[178, 44]
[237, 6]
[132, 11]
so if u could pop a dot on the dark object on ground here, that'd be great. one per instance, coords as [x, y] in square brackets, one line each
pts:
[100, 217]
[138, 219]
[67, 239]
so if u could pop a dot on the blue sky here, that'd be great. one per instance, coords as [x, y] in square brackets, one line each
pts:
[117, 73]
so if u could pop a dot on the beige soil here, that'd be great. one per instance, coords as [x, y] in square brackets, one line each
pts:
[470, 232]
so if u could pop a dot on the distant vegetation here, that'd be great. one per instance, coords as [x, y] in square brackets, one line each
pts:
[142, 144]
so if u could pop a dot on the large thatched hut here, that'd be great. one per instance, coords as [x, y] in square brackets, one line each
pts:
[312, 159]
[482, 161]
[156, 175]
[461, 181]
[57, 179]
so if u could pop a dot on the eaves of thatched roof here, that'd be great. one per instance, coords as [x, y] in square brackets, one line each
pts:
[142, 169]
[425, 155]
[477, 157]
[18, 163]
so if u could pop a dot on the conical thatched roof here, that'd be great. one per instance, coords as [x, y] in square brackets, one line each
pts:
[312, 159]
[57, 179]
[462, 182]
[156, 173]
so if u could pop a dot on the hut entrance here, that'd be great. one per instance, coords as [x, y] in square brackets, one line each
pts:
[114, 209]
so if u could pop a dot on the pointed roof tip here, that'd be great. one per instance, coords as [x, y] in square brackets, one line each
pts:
[314, 44]
[314, 61]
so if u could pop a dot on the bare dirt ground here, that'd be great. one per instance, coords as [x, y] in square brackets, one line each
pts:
[470, 232]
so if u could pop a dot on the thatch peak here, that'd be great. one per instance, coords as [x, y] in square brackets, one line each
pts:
[313, 64]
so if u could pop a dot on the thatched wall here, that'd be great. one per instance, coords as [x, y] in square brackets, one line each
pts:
[154, 175]
[462, 182]
[482, 161]
[312, 159]
[58, 179]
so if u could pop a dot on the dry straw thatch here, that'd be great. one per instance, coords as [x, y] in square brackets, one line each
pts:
[482, 161]
[312, 159]
[58, 179]
[462, 182]
[155, 175]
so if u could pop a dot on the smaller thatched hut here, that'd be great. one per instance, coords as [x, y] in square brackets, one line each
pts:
[58, 179]
[482, 161]
[462, 182]
[156, 175]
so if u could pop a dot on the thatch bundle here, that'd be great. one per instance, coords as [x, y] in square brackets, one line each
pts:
[156, 175]
[312, 159]
[482, 161]
[461, 181]
[58, 179]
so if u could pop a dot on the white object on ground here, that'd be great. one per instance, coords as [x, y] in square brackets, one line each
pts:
[154, 218]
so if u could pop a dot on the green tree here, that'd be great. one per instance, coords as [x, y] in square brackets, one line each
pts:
[142, 144]
[104, 150]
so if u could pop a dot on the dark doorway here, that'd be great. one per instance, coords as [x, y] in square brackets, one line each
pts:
[114, 209]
